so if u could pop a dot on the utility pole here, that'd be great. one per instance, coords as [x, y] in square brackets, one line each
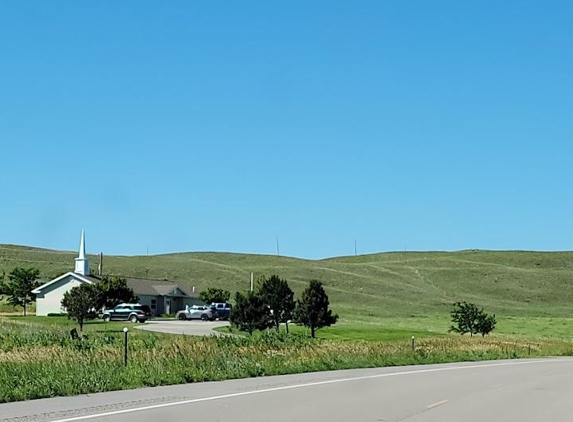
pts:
[355, 247]
[100, 266]
[278, 253]
[252, 283]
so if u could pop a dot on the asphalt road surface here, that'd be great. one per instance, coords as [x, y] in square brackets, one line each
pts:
[189, 328]
[518, 390]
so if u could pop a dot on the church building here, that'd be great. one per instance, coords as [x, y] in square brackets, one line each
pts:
[163, 297]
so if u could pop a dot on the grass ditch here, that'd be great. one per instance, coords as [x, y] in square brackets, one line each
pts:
[38, 360]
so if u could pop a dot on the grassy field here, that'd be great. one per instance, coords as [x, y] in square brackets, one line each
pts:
[362, 288]
[382, 301]
[397, 328]
[38, 359]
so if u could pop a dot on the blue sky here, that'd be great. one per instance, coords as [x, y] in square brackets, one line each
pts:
[218, 126]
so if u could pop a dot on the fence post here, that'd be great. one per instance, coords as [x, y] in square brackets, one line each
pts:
[413, 344]
[125, 330]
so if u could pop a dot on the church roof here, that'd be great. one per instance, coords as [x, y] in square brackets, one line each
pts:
[83, 278]
[150, 287]
[140, 286]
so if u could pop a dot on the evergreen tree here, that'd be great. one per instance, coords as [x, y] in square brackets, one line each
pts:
[276, 293]
[312, 309]
[250, 313]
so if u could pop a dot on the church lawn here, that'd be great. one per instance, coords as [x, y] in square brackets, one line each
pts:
[369, 329]
[403, 328]
[63, 324]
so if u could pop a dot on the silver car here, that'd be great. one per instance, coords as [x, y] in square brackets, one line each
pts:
[197, 312]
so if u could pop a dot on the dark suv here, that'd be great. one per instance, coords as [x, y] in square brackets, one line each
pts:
[132, 312]
[222, 310]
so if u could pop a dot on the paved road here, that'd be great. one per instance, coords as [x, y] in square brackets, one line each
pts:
[190, 328]
[524, 391]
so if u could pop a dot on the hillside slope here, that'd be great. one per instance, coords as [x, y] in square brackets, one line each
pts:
[386, 284]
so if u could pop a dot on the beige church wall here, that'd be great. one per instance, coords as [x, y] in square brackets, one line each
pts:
[51, 302]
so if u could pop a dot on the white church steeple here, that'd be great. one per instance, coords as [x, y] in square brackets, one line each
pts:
[82, 266]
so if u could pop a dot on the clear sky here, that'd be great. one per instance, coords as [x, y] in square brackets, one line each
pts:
[218, 126]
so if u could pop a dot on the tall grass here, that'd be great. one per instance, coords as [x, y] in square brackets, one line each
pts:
[38, 361]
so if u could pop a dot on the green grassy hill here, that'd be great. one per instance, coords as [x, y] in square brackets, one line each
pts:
[360, 287]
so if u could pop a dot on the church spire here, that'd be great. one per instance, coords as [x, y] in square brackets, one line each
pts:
[82, 266]
[82, 254]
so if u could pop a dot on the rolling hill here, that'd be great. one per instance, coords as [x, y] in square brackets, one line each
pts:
[360, 287]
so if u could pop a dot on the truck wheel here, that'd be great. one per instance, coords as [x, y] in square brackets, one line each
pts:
[181, 317]
[106, 318]
[133, 319]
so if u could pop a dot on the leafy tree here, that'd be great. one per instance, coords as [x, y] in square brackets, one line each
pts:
[468, 318]
[111, 291]
[312, 309]
[214, 295]
[21, 282]
[250, 313]
[486, 323]
[276, 293]
[80, 303]
[464, 316]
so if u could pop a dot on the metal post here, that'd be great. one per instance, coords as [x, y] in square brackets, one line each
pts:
[125, 346]
[529, 349]
[413, 344]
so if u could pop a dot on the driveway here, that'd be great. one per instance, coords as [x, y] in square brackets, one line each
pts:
[188, 328]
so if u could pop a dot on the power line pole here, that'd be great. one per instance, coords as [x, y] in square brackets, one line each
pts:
[278, 252]
[355, 247]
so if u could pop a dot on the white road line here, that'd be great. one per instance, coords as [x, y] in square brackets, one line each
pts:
[436, 404]
[296, 386]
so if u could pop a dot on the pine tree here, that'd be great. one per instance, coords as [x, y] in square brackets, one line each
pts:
[276, 293]
[250, 313]
[312, 309]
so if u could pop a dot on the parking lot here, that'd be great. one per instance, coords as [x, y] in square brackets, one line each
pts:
[188, 328]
